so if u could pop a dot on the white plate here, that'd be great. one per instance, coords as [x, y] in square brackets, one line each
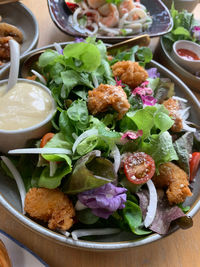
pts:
[19, 254]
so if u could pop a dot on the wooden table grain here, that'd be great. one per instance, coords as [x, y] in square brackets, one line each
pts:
[182, 249]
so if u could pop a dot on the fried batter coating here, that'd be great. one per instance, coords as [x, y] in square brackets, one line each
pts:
[131, 73]
[176, 181]
[173, 107]
[100, 98]
[4, 48]
[12, 31]
[50, 205]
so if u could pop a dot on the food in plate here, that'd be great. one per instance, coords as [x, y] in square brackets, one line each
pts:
[185, 27]
[111, 18]
[7, 32]
[110, 147]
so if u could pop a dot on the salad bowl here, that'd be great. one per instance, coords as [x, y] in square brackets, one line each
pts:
[10, 198]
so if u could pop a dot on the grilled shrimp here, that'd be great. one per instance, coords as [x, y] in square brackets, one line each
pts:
[125, 7]
[131, 73]
[96, 3]
[10, 30]
[100, 98]
[109, 15]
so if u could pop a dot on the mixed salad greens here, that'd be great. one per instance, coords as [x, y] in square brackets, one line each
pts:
[185, 27]
[100, 168]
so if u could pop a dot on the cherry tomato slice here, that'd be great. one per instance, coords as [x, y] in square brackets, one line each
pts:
[45, 139]
[194, 164]
[71, 6]
[139, 167]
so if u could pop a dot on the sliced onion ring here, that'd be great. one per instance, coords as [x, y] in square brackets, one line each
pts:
[40, 77]
[18, 179]
[47, 150]
[88, 232]
[82, 137]
[153, 199]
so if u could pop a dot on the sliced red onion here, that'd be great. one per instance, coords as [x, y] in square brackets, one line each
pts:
[184, 113]
[152, 207]
[180, 99]
[52, 168]
[40, 77]
[80, 206]
[95, 81]
[74, 135]
[17, 178]
[88, 232]
[47, 150]
[83, 136]
[109, 30]
[117, 158]
[102, 178]
[14, 64]
[188, 128]
[66, 233]
[58, 48]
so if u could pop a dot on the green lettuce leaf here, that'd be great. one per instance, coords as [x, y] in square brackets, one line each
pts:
[82, 56]
[160, 148]
[85, 171]
[149, 117]
[133, 216]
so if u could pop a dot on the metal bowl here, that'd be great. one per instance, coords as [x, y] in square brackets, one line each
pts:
[10, 199]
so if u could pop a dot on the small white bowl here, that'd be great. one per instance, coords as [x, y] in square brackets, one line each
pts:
[12, 139]
[192, 66]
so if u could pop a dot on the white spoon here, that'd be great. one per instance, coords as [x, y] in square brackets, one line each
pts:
[14, 64]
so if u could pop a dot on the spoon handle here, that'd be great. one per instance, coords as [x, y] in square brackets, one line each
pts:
[142, 40]
[14, 64]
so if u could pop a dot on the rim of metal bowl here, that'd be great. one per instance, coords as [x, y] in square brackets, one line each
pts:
[93, 245]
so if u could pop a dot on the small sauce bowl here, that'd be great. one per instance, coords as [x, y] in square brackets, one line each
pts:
[192, 65]
[12, 139]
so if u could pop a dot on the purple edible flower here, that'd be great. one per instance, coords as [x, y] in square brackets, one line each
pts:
[79, 40]
[104, 200]
[153, 73]
[131, 135]
[196, 32]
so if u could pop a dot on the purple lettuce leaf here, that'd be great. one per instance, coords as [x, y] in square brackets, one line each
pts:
[165, 213]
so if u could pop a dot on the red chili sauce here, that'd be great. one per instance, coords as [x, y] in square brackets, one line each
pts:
[187, 54]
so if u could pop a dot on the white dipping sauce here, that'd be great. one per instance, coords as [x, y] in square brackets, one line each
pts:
[25, 105]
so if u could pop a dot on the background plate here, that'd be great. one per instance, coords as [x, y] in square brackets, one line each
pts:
[162, 22]
[163, 53]
[19, 254]
[10, 199]
[20, 16]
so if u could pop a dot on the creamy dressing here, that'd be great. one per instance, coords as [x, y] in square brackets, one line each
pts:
[25, 105]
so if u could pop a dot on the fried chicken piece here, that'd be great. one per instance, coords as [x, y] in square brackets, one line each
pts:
[131, 73]
[4, 48]
[12, 31]
[176, 181]
[173, 107]
[50, 205]
[100, 98]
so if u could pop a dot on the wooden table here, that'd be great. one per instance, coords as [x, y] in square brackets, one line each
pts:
[181, 249]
